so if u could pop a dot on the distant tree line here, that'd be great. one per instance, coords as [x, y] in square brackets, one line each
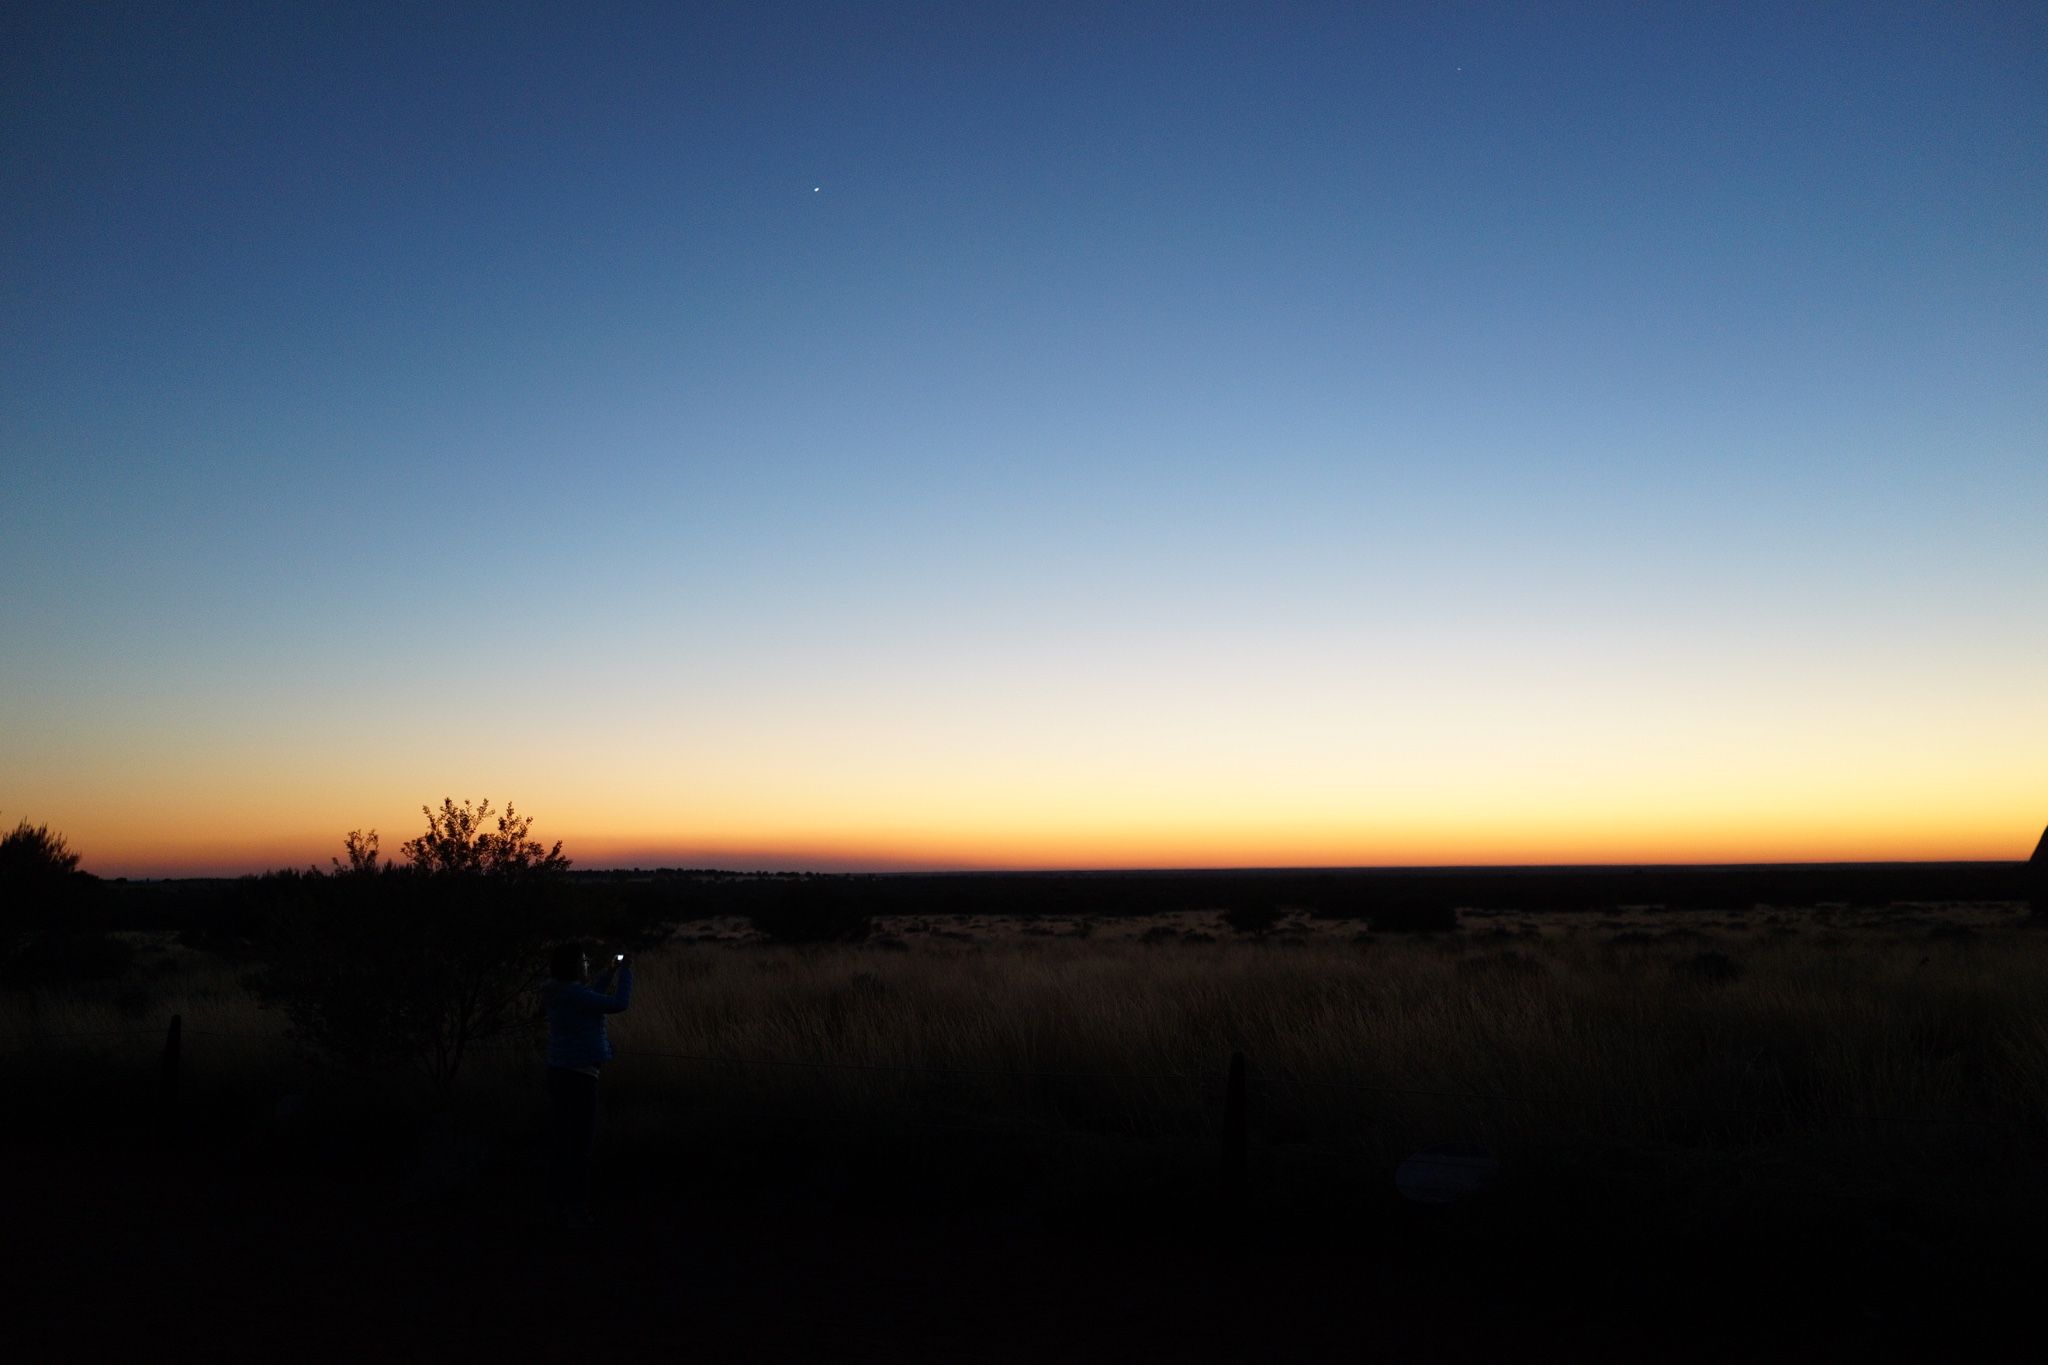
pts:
[52, 914]
[232, 914]
[1366, 894]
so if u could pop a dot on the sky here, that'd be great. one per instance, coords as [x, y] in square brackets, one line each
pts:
[878, 436]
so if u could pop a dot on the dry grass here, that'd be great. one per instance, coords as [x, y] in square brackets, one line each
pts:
[1868, 1020]
[1832, 1022]
[206, 990]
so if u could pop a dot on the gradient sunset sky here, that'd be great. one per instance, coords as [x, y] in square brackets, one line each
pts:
[1107, 435]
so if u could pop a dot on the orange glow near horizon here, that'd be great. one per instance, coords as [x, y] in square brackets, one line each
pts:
[1043, 765]
[1232, 440]
[825, 820]
[1886, 837]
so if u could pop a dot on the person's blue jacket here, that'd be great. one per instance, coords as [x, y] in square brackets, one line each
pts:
[576, 1036]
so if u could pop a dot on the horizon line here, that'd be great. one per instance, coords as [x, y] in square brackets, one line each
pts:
[1249, 870]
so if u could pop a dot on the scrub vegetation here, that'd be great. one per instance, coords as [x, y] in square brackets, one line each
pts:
[1055, 1048]
[1943, 1015]
[1894, 1053]
[1707, 1120]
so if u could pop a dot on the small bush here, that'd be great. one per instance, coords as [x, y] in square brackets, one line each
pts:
[1159, 933]
[815, 910]
[379, 966]
[42, 892]
[1709, 968]
[1414, 915]
[1256, 918]
[51, 914]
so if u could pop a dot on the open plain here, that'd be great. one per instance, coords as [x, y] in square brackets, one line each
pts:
[1759, 1128]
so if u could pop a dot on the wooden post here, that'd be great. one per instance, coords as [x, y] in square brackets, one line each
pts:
[167, 1095]
[1235, 1171]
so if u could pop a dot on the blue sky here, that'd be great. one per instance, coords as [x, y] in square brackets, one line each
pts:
[966, 435]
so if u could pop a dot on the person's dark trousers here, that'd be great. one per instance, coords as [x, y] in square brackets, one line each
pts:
[574, 1097]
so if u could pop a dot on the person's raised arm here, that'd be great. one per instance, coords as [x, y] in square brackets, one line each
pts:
[622, 991]
[611, 992]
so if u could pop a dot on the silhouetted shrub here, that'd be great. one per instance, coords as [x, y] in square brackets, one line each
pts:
[815, 910]
[1159, 933]
[1954, 933]
[52, 914]
[1253, 917]
[1413, 915]
[379, 965]
[1708, 968]
[1631, 938]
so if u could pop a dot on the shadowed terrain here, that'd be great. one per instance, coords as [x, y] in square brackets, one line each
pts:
[990, 1137]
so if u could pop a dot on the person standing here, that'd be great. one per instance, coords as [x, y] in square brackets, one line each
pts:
[577, 1047]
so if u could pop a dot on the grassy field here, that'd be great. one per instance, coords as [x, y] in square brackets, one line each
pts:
[1709, 1126]
[1895, 1053]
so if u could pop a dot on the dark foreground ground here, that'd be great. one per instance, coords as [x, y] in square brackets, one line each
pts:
[114, 1252]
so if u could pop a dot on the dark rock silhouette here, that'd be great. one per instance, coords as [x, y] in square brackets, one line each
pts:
[2037, 876]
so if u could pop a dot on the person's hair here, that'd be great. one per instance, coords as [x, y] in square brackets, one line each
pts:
[565, 962]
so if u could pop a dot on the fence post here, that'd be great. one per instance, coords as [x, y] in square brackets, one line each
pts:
[1234, 1162]
[167, 1094]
